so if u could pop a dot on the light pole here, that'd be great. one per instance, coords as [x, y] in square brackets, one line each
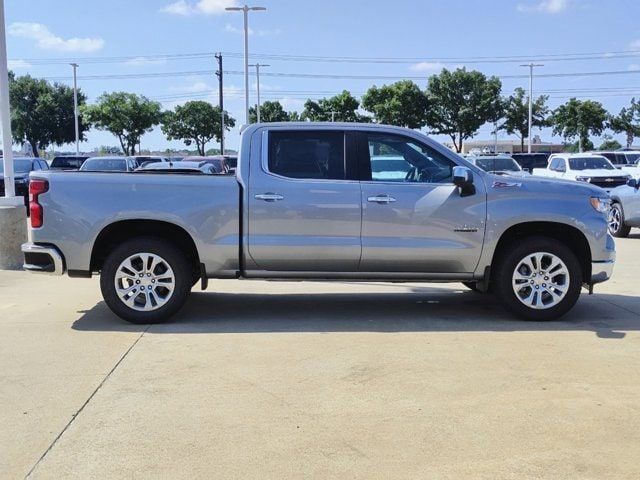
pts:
[245, 10]
[530, 65]
[75, 107]
[258, 65]
[5, 117]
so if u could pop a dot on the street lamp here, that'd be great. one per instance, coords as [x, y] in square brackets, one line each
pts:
[245, 10]
[258, 65]
[75, 107]
[530, 65]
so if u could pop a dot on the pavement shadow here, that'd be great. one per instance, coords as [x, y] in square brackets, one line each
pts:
[419, 310]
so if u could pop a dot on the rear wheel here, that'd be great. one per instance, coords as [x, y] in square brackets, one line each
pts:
[145, 280]
[616, 224]
[540, 279]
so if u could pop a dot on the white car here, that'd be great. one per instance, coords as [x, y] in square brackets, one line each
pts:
[625, 208]
[584, 167]
[498, 165]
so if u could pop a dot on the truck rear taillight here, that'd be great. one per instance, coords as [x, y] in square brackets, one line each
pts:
[36, 187]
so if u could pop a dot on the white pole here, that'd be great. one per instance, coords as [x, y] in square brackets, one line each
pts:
[245, 10]
[530, 65]
[5, 117]
[258, 86]
[75, 107]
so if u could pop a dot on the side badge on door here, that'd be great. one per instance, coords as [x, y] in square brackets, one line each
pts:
[498, 184]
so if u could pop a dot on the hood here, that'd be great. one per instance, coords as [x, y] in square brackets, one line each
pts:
[548, 184]
[599, 172]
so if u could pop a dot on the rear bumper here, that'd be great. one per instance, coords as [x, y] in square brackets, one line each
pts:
[42, 259]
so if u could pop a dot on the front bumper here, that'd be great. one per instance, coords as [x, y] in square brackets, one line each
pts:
[42, 259]
[601, 271]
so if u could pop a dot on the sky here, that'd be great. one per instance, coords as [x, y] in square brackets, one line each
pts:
[164, 49]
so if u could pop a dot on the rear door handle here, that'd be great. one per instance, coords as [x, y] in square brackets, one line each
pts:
[381, 199]
[269, 197]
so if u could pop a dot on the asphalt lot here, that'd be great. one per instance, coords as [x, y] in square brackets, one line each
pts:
[319, 380]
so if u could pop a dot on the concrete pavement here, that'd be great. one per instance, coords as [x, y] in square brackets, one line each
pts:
[319, 380]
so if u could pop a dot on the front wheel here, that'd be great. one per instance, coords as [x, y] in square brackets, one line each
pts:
[539, 279]
[145, 280]
[616, 224]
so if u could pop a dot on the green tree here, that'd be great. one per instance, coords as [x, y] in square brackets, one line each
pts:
[516, 114]
[627, 122]
[575, 146]
[460, 102]
[42, 113]
[126, 115]
[580, 119]
[270, 112]
[195, 122]
[340, 108]
[609, 143]
[401, 103]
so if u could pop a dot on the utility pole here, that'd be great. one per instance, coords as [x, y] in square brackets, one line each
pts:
[530, 65]
[258, 65]
[221, 97]
[75, 107]
[5, 117]
[245, 10]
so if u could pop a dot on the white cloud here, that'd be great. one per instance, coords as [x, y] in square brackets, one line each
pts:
[261, 33]
[47, 40]
[292, 104]
[427, 67]
[18, 64]
[635, 45]
[144, 62]
[544, 6]
[634, 67]
[206, 7]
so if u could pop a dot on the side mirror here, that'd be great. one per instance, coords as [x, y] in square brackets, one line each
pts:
[633, 183]
[463, 179]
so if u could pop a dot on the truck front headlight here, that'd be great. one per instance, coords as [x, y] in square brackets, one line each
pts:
[583, 179]
[601, 205]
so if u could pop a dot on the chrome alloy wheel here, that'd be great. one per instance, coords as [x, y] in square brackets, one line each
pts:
[614, 220]
[540, 280]
[144, 282]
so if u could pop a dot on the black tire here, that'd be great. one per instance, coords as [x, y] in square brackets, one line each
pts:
[621, 231]
[506, 267]
[472, 286]
[173, 256]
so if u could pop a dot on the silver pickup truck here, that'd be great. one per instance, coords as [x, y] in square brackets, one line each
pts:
[325, 201]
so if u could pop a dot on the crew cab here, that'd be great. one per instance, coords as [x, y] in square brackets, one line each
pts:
[317, 201]
[583, 167]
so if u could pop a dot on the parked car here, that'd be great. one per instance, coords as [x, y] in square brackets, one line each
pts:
[529, 161]
[625, 208]
[67, 162]
[305, 205]
[218, 161]
[179, 167]
[498, 164]
[109, 164]
[583, 167]
[142, 160]
[22, 167]
[620, 158]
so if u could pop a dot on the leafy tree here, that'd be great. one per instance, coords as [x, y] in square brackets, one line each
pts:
[42, 113]
[269, 112]
[107, 150]
[195, 122]
[575, 146]
[627, 121]
[516, 114]
[401, 103]
[460, 102]
[609, 143]
[126, 115]
[343, 107]
[578, 118]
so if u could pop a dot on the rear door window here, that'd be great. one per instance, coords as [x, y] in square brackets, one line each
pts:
[307, 154]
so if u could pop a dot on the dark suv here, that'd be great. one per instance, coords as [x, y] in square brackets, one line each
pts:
[529, 161]
[67, 162]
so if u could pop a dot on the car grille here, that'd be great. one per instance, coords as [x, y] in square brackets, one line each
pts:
[608, 182]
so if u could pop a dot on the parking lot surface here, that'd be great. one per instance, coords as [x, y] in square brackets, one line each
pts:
[319, 380]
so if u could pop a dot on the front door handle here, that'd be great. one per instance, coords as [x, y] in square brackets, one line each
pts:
[382, 199]
[269, 197]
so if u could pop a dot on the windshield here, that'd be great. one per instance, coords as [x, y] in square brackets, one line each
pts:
[104, 165]
[498, 164]
[590, 163]
[632, 158]
[19, 166]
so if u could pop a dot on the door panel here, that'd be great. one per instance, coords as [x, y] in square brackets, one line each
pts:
[413, 217]
[304, 213]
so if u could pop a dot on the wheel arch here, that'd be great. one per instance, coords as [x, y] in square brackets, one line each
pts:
[561, 232]
[123, 230]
